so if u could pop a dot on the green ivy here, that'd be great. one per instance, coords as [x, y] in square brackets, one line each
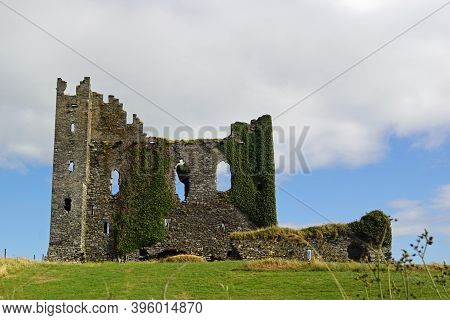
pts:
[249, 151]
[374, 227]
[145, 198]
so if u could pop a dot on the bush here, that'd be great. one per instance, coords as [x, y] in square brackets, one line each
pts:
[374, 228]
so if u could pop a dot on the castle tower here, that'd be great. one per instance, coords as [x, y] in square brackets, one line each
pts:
[70, 173]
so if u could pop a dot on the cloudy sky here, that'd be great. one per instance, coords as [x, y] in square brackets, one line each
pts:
[378, 136]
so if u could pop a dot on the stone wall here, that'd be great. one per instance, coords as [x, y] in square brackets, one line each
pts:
[328, 248]
[201, 227]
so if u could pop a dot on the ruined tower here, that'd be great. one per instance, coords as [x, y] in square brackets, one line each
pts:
[94, 145]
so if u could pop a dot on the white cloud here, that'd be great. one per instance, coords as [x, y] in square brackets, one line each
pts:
[218, 62]
[442, 199]
[414, 216]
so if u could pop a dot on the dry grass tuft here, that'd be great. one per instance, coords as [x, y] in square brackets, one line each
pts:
[9, 265]
[184, 258]
[272, 264]
[3, 271]
[275, 232]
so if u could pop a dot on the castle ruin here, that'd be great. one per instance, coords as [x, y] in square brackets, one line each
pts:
[114, 193]
[145, 218]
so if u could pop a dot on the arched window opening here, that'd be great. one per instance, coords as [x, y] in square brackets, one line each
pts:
[182, 180]
[72, 127]
[223, 177]
[115, 180]
[67, 204]
[71, 166]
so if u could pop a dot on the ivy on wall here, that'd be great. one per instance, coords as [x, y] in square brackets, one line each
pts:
[145, 198]
[374, 228]
[249, 151]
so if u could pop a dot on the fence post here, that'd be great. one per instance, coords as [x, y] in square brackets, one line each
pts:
[4, 254]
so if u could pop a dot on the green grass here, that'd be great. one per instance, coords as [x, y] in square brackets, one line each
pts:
[196, 280]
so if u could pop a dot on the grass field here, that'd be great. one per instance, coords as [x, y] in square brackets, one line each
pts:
[24, 279]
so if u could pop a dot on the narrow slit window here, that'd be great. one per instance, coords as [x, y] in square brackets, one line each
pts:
[71, 167]
[72, 127]
[67, 204]
[106, 228]
[115, 179]
[92, 210]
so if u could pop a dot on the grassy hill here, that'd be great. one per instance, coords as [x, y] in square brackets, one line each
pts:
[24, 279]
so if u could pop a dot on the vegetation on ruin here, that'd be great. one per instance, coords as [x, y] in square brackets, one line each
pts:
[373, 228]
[282, 233]
[145, 198]
[249, 151]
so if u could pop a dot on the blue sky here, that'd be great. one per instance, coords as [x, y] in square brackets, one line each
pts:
[379, 135]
